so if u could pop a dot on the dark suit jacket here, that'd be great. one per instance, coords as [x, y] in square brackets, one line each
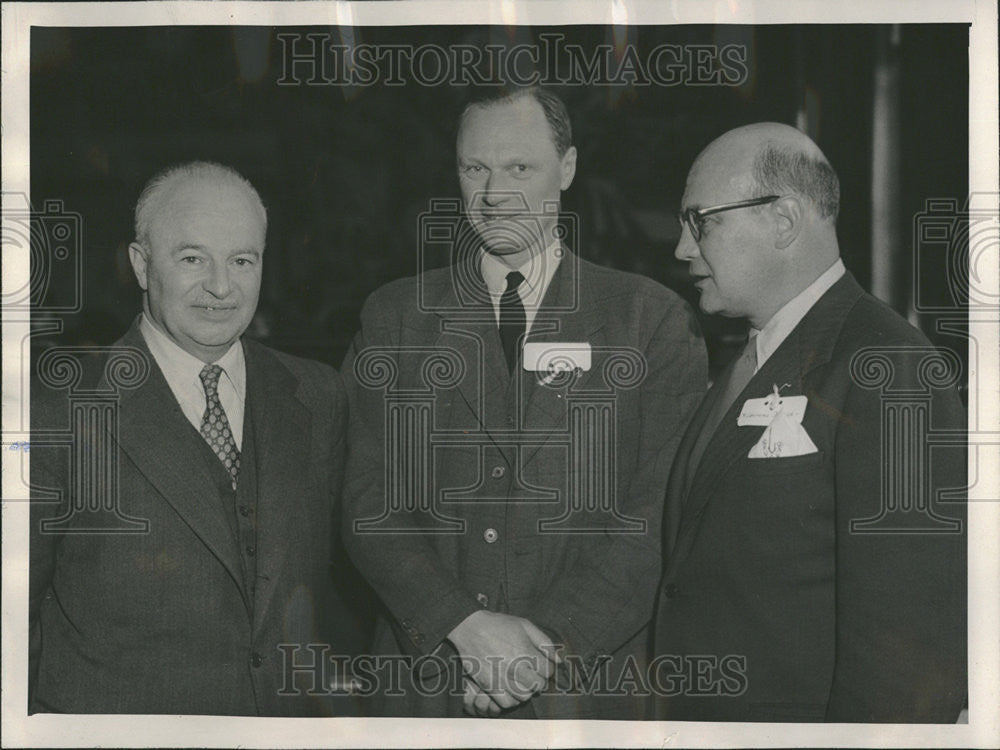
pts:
[822, 620]
[162, 621]
[582, 580]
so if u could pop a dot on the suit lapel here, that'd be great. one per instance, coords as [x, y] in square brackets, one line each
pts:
[809, 345]
[282, 445]
[467, 324]
[154, 433]
[573, 310]
[677, 485]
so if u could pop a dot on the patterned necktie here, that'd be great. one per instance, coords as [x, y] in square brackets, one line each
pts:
[743, 370]
[214, 424]
[513, 320]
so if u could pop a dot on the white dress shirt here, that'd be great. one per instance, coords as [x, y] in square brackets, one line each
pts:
[182, 372]
[537, 271]
[771, 336]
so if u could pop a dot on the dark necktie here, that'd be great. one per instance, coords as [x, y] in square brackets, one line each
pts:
[742, 371]
[214, 424]
[513, 321]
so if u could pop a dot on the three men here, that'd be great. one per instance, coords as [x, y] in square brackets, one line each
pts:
[523, 535]
[808, 533]
[209, 562]
[515, 417]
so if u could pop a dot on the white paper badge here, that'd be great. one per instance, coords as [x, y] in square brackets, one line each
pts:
[758, 412]
[552, 358]
[783, 438]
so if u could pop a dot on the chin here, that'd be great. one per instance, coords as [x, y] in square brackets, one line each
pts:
[707, 307]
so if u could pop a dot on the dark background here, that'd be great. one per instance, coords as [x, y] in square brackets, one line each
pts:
[346, 171]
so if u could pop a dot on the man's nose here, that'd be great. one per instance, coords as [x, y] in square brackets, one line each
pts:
[687, 248]
[217, 282]
[501, 194]
[494, 193]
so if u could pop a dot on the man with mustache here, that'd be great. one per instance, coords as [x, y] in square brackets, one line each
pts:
[229, 464]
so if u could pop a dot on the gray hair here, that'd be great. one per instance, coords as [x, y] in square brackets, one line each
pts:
[779, 171]
[149, 199]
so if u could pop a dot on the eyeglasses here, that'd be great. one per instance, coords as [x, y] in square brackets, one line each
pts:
[694, 218]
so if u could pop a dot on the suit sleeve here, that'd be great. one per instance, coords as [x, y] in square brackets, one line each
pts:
[426, 600]
[608, 596]
[339, 420]
[48, 476]
[900, 597]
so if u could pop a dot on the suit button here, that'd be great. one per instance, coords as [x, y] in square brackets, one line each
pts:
[483, 599]
[256, 659]
[251, 550]
[498, 471]
[244, 511]
[670, 590]
[490, 535]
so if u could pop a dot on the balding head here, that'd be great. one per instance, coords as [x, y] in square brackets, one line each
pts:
[777, 159]
[761, 205]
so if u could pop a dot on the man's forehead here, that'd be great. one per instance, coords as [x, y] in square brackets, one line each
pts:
[712, 182]
[519, 121]
[192, 219]
[206, 191]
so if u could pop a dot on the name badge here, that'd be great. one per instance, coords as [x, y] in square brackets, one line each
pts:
[552, 357]
[758, 412]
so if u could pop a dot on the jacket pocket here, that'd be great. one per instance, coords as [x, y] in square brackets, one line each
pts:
[782, 466]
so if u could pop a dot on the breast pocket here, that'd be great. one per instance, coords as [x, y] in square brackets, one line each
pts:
[782, 466]
[786, 514]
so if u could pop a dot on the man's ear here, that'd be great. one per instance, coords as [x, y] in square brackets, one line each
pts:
[568, 167]
[139, 257]
[789, 214]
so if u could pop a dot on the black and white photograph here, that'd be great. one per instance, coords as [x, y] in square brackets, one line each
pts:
[500, 374]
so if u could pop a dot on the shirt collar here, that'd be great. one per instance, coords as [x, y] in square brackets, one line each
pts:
[537, 271]
[772, 335]
[179, 366]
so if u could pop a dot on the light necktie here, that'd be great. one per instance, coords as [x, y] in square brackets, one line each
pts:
[742, 371]
[513, 320]
[214, 424]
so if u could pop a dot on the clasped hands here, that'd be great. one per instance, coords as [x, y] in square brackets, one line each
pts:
[506, 659]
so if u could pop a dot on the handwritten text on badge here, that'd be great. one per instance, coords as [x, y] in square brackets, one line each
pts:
[758, 412]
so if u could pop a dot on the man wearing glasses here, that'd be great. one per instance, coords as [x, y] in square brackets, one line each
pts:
[814, 547]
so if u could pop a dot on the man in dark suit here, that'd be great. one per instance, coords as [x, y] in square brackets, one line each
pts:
[515, 521]
[815, 546]
[199, 575]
